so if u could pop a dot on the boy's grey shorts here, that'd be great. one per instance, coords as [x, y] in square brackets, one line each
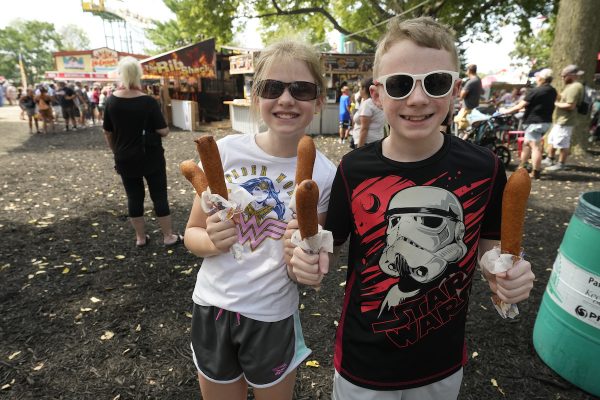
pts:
[226, 346]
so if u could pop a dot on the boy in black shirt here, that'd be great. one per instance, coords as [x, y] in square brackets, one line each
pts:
[419, 207]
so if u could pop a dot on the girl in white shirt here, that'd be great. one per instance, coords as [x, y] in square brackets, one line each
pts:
[245, 325]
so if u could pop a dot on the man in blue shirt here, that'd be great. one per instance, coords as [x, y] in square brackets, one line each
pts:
[344, 114]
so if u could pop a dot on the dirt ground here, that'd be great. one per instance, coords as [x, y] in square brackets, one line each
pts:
[86, 315]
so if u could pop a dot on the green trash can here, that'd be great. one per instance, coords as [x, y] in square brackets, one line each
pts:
[566, 334]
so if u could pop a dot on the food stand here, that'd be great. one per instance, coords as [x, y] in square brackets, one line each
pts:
[341, 69]
[195, 81]
[181, 71]
[239, 109]
[87, 65]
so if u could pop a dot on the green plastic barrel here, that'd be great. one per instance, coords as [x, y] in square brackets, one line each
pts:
[566, 335]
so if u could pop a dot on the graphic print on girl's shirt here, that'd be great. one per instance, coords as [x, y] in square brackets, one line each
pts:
[267, 216]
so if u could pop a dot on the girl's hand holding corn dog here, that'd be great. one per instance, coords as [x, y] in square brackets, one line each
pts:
[307, 268]
[310, 260]
[223, 234]
[221, 208]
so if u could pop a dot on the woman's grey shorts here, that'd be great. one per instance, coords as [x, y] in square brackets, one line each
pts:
[226, 346]
[536, 132]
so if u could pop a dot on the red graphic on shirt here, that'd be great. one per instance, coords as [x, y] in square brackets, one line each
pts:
[415, 240]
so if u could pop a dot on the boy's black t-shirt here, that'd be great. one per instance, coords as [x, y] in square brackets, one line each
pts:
[126, 118]
[414, 230]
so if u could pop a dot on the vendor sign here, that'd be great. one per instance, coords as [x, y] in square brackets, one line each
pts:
[347, 63]
[242, 64]
[77, 76]
[104, 59]
[195, 60]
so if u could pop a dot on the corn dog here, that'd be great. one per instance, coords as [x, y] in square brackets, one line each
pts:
[307, 198]
[195, 175]
[514, 204]
[211, 162]
[306, 159]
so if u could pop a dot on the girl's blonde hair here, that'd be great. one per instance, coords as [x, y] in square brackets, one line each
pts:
[286, 51]
[130, 72]
[423, 31]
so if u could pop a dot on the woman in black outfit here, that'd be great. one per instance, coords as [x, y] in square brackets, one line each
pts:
[133, 128]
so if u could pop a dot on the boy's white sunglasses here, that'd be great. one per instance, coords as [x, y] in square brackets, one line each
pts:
[400, 85]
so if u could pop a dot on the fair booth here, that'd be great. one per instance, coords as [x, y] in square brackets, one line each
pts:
[181, 72]
[341, 69]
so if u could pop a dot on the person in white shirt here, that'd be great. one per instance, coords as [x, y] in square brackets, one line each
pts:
[369, 120]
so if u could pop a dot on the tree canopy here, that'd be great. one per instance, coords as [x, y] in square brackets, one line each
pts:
[35, 41]
[363, 21]
[196, 20]
[534, 51]
[74, 38]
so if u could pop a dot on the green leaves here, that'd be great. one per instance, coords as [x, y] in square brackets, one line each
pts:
[363, 20]
[74, 38]
[35, 41]
[196, 20]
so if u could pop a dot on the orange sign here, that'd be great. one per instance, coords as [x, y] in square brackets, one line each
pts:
[196, 60]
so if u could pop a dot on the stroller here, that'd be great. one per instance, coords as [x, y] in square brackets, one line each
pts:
[489, 130]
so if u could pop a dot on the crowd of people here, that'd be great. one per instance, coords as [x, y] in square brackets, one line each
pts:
[546, 117]
[75, 104]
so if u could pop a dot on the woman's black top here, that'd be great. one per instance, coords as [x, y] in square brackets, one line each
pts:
[133, 123]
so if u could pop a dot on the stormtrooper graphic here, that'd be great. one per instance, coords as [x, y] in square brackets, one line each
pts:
[425, 230]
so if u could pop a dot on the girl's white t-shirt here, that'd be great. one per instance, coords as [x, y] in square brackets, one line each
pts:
[257, 286]
[369, 109]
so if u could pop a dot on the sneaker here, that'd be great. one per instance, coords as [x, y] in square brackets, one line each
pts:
[343, 141]
[340, 140]
[546, 162]
[556, 167]
[535, 174]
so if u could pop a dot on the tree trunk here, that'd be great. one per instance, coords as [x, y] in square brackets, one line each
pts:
[577, 41]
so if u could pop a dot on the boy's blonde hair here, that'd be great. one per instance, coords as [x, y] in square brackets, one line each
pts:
[130, 72]
[281, 52]
[423, 31]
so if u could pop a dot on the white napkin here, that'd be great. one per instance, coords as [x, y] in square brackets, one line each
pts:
[323, 240]
[495, 262]
[239, 198]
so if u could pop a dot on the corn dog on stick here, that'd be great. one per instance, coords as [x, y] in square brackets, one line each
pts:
[307, 198]
[514, 205]
[307, 154]
[211, 162]
[194, 174]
